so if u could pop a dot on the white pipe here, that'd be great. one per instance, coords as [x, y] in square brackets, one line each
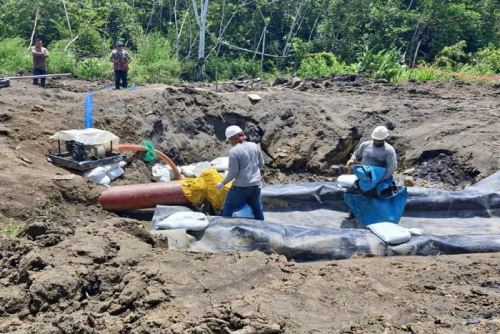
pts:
[38, 76]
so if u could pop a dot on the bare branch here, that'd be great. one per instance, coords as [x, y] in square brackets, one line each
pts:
[67, 18]
[70, 42]
[34, 28]
[195, 9]
[251, 51]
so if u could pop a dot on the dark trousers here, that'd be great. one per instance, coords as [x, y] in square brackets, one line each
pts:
[121, 79]
[237, 197]
[37, 71]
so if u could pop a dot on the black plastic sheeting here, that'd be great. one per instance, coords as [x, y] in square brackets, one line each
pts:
[308, 222]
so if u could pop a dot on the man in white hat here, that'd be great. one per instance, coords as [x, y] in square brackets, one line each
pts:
[245, 163]
[376, 152]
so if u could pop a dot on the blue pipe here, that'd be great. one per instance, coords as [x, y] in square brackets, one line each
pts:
[89, 109]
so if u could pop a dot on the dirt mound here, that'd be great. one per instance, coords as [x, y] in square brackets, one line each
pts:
[77, 269]
[101, 279]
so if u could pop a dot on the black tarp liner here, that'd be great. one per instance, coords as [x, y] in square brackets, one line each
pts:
[307, 222]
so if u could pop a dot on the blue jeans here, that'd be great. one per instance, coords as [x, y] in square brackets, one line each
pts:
[237, 197]
[37, 71]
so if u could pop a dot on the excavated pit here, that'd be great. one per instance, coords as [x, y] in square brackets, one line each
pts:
[74, 268]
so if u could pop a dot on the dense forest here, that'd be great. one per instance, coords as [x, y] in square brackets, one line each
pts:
[174, 40]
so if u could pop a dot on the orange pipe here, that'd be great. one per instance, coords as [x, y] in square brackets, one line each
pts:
[141, 196]
[161, 155]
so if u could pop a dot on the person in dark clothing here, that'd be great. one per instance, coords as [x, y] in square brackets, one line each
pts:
[40, 55]
[120, 59]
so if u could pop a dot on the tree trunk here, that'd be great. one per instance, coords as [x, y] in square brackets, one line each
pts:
[201, 20]
[67, 19]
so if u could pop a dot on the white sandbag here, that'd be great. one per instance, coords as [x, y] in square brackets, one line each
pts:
[95, 175]
[221, 164]
[115, 172]
[164, 211]
[194, 170]
[200, 167]
[105, 180]
[193, 221]
[416, 231]
[346, 180]
[120, 164]
[104, 174]
[187, 171]
[161, 172]
[391, 233]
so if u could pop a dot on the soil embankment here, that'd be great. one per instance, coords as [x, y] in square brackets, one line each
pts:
[78, 269]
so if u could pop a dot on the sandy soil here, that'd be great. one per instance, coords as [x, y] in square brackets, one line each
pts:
[78, 269]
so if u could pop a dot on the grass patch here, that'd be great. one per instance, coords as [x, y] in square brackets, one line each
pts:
[323, 64]
[50, 211]
[13, 229]
[154, 61]
[14, 56]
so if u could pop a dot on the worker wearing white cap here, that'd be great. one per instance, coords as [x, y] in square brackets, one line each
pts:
[245, 163]
[376, 152]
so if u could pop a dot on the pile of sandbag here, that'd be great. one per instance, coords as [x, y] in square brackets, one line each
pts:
[105, 174]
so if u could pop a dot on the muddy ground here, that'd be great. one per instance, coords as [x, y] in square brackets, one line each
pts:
[75, 268]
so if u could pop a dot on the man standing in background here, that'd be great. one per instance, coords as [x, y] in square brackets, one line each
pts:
[40, 55]
[120, 59]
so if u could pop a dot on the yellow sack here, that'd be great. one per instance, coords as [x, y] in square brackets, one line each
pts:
[194, 189]
[202, 188]
[216, 197]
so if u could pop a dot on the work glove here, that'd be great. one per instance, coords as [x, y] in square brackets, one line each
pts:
[219, 186]
[350, 163]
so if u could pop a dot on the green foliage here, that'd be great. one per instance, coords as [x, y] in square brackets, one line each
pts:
[231, 68]
[60, 60]
[14, 228]
[94, 68]
[14, 56]
[487, 60]
[154, 60]
[90, 43]
[18, 17]
[381, 65]
[420, 74]
[51, 210]
[122, 22]
[451, 56]
[460, 35]
[322, 64]
[300, 50]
